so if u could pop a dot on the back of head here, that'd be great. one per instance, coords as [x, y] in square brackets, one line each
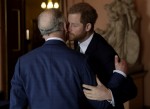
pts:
[51, 20]
[88, 13]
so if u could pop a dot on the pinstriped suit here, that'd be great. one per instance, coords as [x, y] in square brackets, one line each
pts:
[51, 77]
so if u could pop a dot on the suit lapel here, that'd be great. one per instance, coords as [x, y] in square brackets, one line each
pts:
[92, 46]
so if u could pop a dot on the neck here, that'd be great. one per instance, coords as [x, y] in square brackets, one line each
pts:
[58, 34]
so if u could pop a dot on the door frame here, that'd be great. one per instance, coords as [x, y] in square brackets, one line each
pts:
[3, 51]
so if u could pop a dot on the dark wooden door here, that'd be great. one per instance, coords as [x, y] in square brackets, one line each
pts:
[16, 41]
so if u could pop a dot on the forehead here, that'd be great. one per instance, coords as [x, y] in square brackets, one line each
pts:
[73, 18]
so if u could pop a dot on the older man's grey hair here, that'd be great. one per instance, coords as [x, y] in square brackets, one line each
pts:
[51, 20]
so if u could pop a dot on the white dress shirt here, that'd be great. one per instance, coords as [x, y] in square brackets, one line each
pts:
[54, 38]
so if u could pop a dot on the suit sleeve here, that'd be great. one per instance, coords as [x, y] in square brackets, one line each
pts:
[18, 99]
[123, 89]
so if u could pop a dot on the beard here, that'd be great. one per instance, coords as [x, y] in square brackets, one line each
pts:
[72, 37]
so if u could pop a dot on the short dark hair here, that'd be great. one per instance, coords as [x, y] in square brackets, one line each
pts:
[88, 13]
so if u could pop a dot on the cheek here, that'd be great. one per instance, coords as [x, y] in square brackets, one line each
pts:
[73, 35]
[77, 31]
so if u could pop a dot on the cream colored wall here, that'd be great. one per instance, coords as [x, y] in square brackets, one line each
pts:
[71, 2]
[143, 8]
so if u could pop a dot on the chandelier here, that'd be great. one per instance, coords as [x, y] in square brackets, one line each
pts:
[50, 4]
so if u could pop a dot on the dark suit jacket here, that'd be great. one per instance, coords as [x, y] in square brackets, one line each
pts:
[101, 59]
[51, 77]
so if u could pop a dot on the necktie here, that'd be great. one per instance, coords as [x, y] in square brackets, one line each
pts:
[78, 48]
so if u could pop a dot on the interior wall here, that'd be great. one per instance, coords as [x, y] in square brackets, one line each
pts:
[71, 2]
[102, 20]
[33, 9]
[143, 7]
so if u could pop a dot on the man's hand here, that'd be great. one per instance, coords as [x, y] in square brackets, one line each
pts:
[121, 65]
[99, 92]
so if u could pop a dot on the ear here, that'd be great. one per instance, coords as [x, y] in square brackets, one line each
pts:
[88, 27]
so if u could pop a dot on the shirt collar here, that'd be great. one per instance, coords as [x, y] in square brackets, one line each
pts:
[83, 45]
[55, 38]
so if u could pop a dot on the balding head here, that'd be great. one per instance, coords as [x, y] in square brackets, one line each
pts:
[50, 21]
